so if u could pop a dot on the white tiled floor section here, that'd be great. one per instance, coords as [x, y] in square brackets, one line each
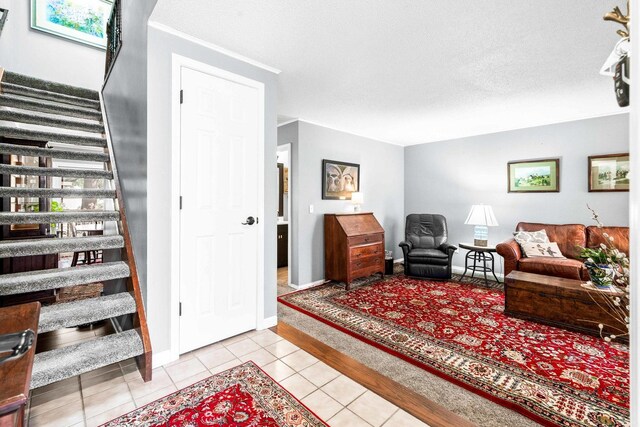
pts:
[101, 395]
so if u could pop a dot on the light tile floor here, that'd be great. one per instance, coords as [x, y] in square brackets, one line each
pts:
[99, 396]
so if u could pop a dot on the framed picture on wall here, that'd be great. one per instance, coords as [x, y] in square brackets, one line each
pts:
[83, 21]
[609, 172]
[534, 176]
[339, 179]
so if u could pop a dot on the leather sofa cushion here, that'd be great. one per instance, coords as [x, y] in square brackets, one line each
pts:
[568, 236]
[428, 256]
[620, 237]
[559, 267]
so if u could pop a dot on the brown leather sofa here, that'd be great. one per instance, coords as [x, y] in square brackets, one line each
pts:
[569, 238]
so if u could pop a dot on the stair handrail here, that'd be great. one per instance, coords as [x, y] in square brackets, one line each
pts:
[3, 18]
[114, 38]
[144, 361]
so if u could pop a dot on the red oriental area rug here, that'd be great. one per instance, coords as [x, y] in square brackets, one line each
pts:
[244, 396]
[459, 332]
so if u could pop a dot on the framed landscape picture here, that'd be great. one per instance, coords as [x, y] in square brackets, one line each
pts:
[339, 179]
[609, 172]
[534, 176]
[83, 21]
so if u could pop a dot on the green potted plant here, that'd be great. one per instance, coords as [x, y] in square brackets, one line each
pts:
[597, 263]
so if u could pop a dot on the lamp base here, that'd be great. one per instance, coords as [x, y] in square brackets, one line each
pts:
[481, 243]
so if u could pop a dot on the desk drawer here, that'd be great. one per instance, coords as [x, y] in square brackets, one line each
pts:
[364, 239]
[366, 262]
[363, 251]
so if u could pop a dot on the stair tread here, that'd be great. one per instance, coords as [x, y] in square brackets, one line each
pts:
[75, 313]
[32, 281]
[72, 360]
[66, 172]
[14, 248]
[48, 136]
[53, 152]
[57, 192]
[46, 120]
[31, 92]
[24, 80]
[48, 217]
[52, 107]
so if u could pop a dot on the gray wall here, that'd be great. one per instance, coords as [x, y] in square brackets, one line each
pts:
[125, 98]
[381, 181]
[32, 52]
[448, 177]
[161, 47]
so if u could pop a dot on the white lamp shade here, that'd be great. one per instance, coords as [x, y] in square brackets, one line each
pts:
[357, 198]
[481, 215]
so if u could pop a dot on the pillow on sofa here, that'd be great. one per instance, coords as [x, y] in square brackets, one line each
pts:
[549, 250]
[531, 237]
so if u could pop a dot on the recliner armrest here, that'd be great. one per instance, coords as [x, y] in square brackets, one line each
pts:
[511, 252]
[448, 248]
[406, 247]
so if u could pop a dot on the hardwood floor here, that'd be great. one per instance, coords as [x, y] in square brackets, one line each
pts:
[283, 276]
[417, 405]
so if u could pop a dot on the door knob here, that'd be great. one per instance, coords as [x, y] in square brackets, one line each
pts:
[250, 221]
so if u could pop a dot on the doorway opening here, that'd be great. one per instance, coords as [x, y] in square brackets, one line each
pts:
[284, 214]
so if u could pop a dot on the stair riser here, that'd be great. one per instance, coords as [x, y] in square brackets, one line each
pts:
[56, 217]
[33, 135]
[56, 192]
[34, 82]
[49, 96]
[42, 120]
[19, 283]
[52, 246]
[44, 107]
[75, 173]
[53, 153]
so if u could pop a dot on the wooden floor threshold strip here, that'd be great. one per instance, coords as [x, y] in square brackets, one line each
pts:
[417, 405]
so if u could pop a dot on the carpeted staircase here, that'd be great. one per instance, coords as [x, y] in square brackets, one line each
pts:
[34, 114]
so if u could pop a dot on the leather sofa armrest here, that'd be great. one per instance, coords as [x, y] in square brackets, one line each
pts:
[448, 248]
[510, 251]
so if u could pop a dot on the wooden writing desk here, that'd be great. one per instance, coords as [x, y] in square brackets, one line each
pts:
[15, 375]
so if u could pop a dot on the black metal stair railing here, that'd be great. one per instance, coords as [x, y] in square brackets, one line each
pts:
[3, 17]
[114, 37]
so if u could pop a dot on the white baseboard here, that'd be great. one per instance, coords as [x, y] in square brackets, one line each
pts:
[267, 323]
[163, 357]
[395, 261]
[308, 285]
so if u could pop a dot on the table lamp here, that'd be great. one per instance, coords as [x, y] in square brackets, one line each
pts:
[357, 198]
[482, 217]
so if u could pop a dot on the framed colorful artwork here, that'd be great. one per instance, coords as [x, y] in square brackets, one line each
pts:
[609, 172]
[83, 21]
[534, 176]
[339, 179]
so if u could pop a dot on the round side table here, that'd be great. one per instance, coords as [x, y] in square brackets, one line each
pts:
[482, 258]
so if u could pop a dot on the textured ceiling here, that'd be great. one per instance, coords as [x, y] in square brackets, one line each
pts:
[414, 71]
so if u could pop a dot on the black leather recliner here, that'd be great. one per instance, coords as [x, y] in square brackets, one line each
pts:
[426, 251]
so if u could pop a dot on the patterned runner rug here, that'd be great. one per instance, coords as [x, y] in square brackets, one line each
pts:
[244, 396]
[459, 332]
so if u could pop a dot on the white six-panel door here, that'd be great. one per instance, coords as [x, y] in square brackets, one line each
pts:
[220, 140]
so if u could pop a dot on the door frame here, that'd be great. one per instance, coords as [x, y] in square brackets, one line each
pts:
[177, 63]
